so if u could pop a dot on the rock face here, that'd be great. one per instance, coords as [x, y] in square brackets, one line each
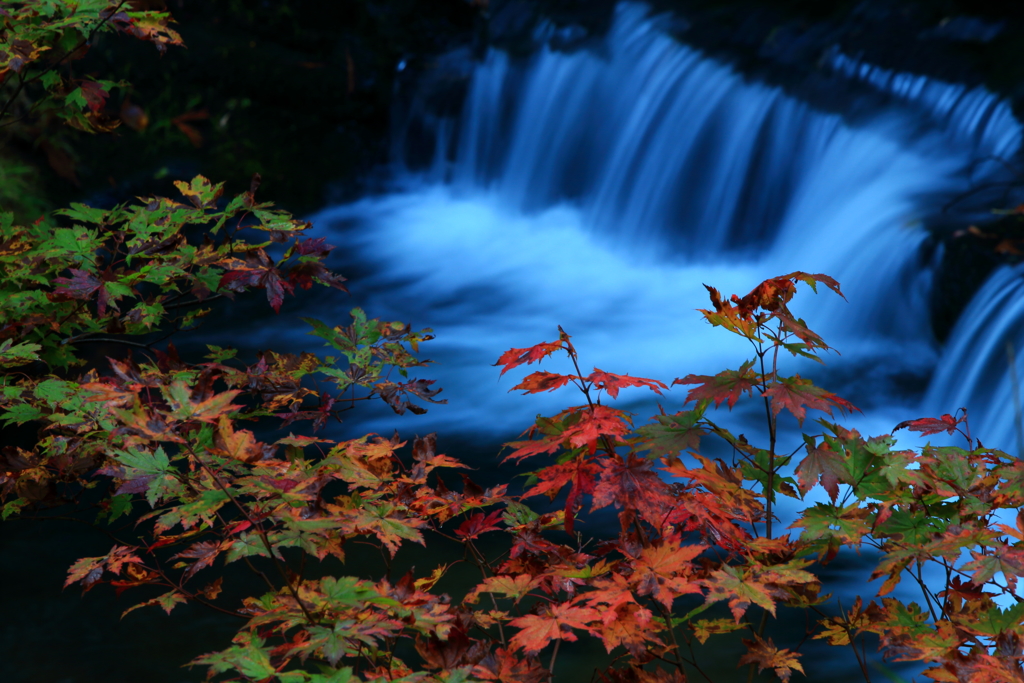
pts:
[970, 42]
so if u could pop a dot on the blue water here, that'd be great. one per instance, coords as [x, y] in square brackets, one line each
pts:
[599, 189]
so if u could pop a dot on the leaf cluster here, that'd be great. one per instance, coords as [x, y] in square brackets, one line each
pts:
[43, 98]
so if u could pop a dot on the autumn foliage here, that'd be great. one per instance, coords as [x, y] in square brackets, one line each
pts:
[654, 540]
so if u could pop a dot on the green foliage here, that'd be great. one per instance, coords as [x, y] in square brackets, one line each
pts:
[43, 98]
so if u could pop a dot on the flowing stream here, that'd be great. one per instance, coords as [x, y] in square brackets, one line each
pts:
[598, 189]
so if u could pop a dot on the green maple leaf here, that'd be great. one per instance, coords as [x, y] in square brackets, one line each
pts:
[189, 514]
[248, 544]
[1006, 559]
[20, 413]
[675, 433]
[823, 522]
[167, 602]
[911, 529]
[251, 658]
[383, 522]
[996, 620]
[740, 588]
[143, 462]
[349, 591]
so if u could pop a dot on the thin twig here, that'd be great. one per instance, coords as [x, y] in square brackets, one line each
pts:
[194, 302]
[259, 530]
[96, 340]
[554, 656]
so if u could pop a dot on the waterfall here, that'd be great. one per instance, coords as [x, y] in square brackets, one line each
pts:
[599, 188]
[975, 370]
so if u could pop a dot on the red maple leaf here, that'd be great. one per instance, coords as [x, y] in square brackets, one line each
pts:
[813, 279]
[612, 383]
[454, 651]
[631, 483]
[396, 395]
[478, 524]
[795, 393]
[257, 270]
[314, 247]
[821, 464]
[542, 381]
[204, 553]
[573, 428]
[95, 95]
[304, 274]
[579, 474]
[726, 386]
[771, 295]
[810, 338]
[930, 425]
[513, 358]
[631, 627]
[502, 665]
[81, 285]
[596, 423]
[966, 591]
[662, 571]
[148, 26]
[612, 592]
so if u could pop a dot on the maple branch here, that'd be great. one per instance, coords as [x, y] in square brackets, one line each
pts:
[259, 530]
[387, 560]
[84, 339]
[692, 661]
[479, 560]
[194, 302]
[861, 661]
[770, 493]
[170, 582]
[192, 596]
[76, 309]
[554, 656]
[924, 590]
[224, 523]
[585, 388]
[671, 634]
[758, 633]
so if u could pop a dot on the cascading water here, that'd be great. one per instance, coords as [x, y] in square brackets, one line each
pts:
[598, 189]
[981, 367]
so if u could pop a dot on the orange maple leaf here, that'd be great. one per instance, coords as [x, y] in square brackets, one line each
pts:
[767, 656]
[556, 622]
[663, 571]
